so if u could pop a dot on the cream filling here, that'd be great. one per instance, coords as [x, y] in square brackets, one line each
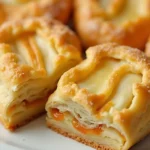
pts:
[48, 53]
[123, 95]
[96, 82]
[36, 51]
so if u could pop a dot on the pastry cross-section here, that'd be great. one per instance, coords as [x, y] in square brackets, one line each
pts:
[125, 22]
[104, 101]
[34, 53]
[18, 9]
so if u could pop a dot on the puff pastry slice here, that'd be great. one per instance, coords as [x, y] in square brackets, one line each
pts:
[18, 9]
[125, 22]
[34, 53]
[104, 101]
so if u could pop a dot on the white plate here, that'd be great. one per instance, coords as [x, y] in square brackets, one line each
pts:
[36, 136]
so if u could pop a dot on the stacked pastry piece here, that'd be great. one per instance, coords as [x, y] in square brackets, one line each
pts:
[104, 101]
[34, 53]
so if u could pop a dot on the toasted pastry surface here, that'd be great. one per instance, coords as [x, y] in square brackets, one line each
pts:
[122, 21]
[19, 9]
[34, 53]
[104, 99]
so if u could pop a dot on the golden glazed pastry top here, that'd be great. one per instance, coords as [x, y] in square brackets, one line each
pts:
[18, 9]
[111, 87]
[123, 21]
[35, 48]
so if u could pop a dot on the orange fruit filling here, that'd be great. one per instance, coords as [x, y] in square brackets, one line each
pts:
[84, 130]
[57, 115]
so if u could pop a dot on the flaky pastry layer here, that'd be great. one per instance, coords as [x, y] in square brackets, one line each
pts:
[105, 99]
[125, 22]
[54, 126]
[18, 9]
[34, 53]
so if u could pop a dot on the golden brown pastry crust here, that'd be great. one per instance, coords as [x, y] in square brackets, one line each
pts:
[21, 69]
[132, 122]
[63, 40]
[95, 24]
[14, 10]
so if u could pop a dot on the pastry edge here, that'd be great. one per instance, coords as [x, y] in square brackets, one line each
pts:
[14, 126]
[25, 122]
[78, 138]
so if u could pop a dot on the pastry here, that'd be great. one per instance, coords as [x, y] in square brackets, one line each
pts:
[147, 48]
[126, 22]
[104, 101]
[18, 9]
[34, 53]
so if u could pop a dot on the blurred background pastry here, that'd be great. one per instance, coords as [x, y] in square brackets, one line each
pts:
[126, 22]
[19, 9]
